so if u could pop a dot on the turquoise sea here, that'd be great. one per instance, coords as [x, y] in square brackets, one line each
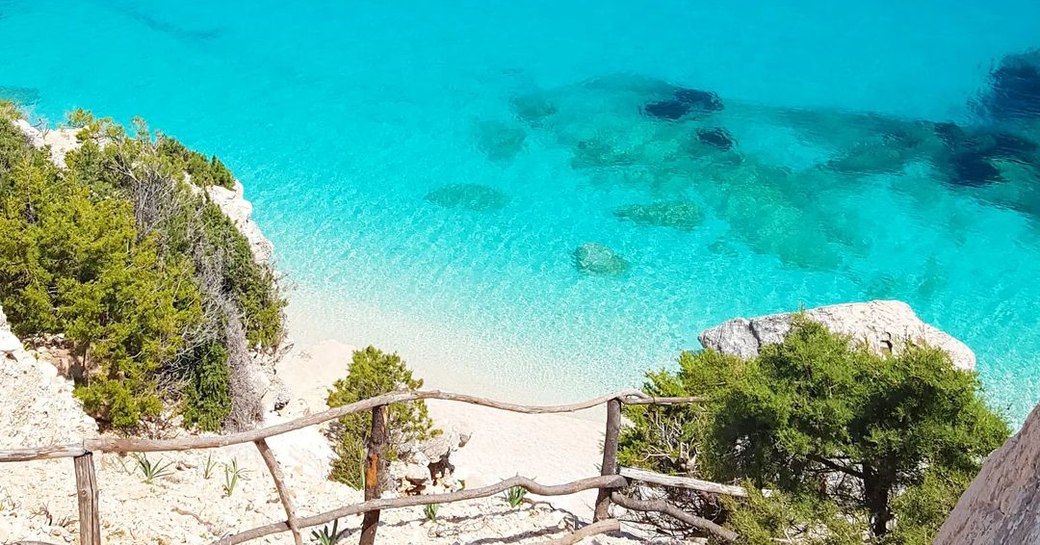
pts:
[427, 170]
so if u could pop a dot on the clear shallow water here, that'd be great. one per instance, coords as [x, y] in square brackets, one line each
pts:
[345, 122]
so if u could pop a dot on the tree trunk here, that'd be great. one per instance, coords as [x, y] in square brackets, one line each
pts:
[877, 488]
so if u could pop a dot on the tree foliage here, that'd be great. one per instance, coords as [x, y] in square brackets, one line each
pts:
[139, 271]
[374, 373]
[889, 441]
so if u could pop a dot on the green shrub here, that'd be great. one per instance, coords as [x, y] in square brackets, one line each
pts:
[207, 395]
[143, 276]
[374, 373]
[204, 172]
[897, 438]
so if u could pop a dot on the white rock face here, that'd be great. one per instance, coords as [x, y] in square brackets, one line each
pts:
[235, 206]
[1000, 506]
[259, 376]
[231, 201]
[61, 141]
[885, 326]
[37, 407]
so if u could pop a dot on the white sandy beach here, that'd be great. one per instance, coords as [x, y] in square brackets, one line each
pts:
[550, 448]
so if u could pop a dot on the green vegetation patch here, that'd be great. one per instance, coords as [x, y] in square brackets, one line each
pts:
[373, 373]
[154, 289]
[855, 447]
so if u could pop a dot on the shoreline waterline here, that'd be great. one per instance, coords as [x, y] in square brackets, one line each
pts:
[461, 363]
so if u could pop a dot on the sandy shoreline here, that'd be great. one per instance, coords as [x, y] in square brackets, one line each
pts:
[550, 448]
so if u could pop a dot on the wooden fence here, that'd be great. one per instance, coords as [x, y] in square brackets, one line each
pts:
[611, 479]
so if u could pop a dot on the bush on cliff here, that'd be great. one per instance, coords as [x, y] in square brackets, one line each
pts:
[374, 373]
[152, 286]
[840, 434]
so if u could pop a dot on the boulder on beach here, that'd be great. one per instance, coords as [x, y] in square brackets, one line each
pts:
[885, 326]
[477, 197]
[599, 259]
[680, 215]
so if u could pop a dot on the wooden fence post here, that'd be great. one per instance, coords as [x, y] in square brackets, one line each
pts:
[279, 484]
[610, 465]
[373, 471]
[87, 494]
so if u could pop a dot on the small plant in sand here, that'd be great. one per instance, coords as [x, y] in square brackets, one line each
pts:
[515, 496]
[207, 469]
[44, 512]
[7, 503]
[430, 511]
[231, 475]
[329, 535]
[152, 470]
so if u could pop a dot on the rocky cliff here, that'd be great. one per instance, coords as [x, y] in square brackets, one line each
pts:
[885, 327]
[256, 385]
[1002, 505]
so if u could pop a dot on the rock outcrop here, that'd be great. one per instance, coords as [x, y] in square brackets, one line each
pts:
[233, 204]
[1001, 505]
[885, 327]
[38, 407]
[426, 465]
[254, 381]
[61, 141]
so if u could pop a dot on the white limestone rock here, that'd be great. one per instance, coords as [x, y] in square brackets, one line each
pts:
[1000, 505]
[61, 141]
[235, 206]
[885, 327]
[9, 344]
[38, 407]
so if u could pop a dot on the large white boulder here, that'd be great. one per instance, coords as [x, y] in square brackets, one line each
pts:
[885, 327]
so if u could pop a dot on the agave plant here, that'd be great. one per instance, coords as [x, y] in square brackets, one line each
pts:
[152, 470]
[327, 535]
[515, 496]
[231, 475]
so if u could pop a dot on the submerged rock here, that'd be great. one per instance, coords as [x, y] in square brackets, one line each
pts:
[480, 198]
[599, 259]
[972, 169]
[667, 109]
[1015, 87]
[533, 109]
[684, 101]
[500, 141]
[970, 156]
[25, 96]
[681, 215]
[885, 326]
[705, 101]
[716, 137]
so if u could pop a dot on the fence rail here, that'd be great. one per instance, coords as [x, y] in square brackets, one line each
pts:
[608, 483]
